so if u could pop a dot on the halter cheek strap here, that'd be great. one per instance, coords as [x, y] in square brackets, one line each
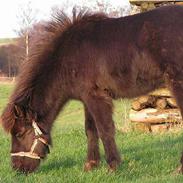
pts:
[31, 153]
[37, 130]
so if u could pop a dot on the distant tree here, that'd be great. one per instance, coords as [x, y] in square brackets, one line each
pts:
[111, 10]
[9, 59]
[26, 18]
[94, 6]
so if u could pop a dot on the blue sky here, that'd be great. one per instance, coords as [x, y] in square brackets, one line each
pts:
[10, 9]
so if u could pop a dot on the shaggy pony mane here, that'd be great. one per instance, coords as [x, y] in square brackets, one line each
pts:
[44, 48]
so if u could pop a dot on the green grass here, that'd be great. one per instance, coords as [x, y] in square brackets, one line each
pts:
[148, 158]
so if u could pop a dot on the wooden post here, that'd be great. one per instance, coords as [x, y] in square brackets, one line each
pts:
[27, 44]
[9, 67]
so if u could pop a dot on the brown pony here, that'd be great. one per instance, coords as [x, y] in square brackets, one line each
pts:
[93, 59]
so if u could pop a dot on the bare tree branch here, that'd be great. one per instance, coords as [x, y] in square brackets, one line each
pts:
[26, 18]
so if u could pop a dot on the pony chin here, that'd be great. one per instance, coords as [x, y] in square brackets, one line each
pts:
[24, 164]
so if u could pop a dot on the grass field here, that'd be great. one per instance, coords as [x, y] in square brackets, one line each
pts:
[148, 158]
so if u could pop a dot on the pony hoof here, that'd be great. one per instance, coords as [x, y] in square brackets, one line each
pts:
[89, 165]
[113, 166]
[179, 170]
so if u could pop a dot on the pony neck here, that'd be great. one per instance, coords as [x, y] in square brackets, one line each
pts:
[47, 104]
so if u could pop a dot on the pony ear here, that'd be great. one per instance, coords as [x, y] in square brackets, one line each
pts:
[8, 118]
[17, 110]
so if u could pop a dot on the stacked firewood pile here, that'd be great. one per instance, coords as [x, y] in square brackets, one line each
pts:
[155, 112]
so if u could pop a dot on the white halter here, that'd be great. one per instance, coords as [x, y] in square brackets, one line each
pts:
[31, 153]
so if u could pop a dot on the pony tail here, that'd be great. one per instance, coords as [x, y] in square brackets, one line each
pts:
[8, 118]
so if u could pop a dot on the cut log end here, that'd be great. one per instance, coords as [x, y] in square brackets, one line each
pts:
[161, 103]
[143, 102]
[136, 105]
[161, 92]
[172, 103]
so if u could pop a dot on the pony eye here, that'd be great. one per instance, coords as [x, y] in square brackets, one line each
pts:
[20, 134]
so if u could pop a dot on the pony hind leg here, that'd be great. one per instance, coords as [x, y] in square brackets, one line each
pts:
[176, 86]
[93, 155]
[101, 109]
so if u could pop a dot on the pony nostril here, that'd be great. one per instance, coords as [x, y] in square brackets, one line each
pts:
[47, 149]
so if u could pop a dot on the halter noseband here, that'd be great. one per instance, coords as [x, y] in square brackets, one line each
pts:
[38, 138]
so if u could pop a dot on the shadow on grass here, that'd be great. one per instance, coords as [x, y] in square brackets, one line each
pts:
[157, 156]
[67, 163]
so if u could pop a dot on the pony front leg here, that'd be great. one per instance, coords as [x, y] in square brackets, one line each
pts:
[93, 156]
[100, 108]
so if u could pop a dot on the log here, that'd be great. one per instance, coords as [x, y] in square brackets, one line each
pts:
[151, 6]
[179, 3]
[152, 115]
[136, 105]
[161, 103]
[146, 99]
[172, 103]
[143, 102]
[143, 127]
[157, 128]
[161, 92]
[144, 6]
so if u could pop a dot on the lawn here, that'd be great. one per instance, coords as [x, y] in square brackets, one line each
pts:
[147, 157]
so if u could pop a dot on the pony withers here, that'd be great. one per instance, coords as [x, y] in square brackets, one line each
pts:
[93, 59]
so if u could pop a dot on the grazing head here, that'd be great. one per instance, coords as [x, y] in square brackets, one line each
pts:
[43, 87]
[30, 143]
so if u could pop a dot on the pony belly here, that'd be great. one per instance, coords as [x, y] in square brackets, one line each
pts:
[138, 87]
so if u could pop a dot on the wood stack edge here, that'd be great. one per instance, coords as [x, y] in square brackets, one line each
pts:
[155, 112]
